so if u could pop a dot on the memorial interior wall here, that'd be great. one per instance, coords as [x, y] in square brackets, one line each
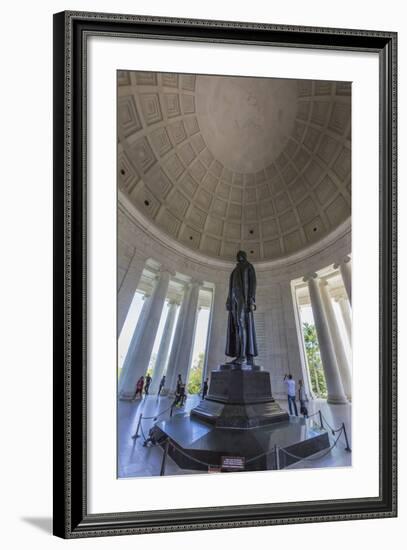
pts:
[276, 317]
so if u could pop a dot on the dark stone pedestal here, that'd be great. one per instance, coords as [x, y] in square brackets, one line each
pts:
[194, 445]
[239, 418]
[239, 398]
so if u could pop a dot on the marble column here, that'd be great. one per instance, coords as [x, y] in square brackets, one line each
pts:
[140, 357]
[346, 317]
[289, 328]
[128, 287]
[346, 272]
[135, 338]
[188, 336]
[163, 350]
[332, 376]
[340, 353]
[172, 373]
[181, 354]
[215, 354]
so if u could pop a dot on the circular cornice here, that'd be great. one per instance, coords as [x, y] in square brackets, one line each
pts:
[153, 232]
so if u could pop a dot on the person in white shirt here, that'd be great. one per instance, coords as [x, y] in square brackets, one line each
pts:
[290, 383]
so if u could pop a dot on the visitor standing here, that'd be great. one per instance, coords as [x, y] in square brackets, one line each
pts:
[179, 391]
[290, 383]
[182, 395]
[302, 396]
[139, 387]
[162, 384]
[179, 384]
[205, 388]
[147, 384]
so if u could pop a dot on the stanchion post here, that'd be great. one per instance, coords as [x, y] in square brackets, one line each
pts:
[320, 420]
[277, 455]
[167, 444]
[347, 448]
[136, 435]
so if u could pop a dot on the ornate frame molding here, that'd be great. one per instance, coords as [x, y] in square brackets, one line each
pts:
[71, 30]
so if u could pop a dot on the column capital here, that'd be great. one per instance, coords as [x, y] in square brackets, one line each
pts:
[195, 283]
[342, 261]
[140, 254]
[165, 270]
[339, 297]
[309, 277]
[345, 269]
[137, 261]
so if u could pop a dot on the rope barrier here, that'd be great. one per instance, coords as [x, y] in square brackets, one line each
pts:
[313, 414]
[197, 460]
[323, 418]
[311, 459]
[275, 451]
[141, 418]
[143, 434]
[157, 415]
[260, 456]
[329, 426]
[341, 430]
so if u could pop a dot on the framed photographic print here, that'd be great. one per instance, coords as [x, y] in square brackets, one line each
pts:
[224, 274]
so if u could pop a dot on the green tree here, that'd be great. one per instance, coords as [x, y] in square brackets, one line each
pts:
[314, 360]
[195, 376]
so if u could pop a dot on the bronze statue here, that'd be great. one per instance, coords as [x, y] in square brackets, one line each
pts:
[241, 335]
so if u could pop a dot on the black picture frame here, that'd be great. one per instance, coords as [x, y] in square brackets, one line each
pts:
[71, 31]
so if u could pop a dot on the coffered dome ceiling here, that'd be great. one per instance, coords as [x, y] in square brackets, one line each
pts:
[228, 163]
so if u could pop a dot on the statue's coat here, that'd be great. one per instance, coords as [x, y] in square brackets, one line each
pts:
[241, 298]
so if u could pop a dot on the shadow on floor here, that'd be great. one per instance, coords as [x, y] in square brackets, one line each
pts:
[44, 524]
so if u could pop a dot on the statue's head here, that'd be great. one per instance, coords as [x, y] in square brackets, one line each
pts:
[241, 256]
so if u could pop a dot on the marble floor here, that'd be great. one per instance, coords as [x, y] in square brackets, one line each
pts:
[135, 460]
